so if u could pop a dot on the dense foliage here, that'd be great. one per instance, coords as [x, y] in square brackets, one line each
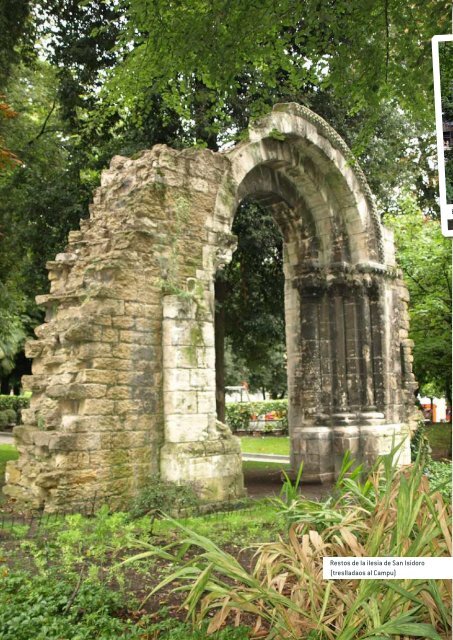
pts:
[90, 80]
[79, 577]
[202, 56]
[389, 513]
[10, 409]
[66, 581]
[240, 414]
[425, 258]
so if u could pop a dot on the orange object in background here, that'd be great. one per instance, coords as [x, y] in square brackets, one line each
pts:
[429, 415]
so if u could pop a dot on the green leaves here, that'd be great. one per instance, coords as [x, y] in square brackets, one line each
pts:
[367, 52]
[239, 414]
[425, 258]
[285, 589]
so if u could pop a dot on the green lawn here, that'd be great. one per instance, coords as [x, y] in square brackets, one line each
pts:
[248, 465]
[439, 435]
[7, 452]
[266, 444]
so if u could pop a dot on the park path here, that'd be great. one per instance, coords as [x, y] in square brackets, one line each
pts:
[6, 438]
[265, 457]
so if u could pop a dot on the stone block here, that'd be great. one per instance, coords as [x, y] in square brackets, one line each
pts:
[186, 428]
[123, 322]
[71, 460]
[202, 379]
[34, 348]
[97, 407]
[119, 392]
[136, 337]
[97, 376]
[181, 402]
[12, 473]
[177, 380]
[49, 479]
[145, 354]
[206, 402]
[121, 351]
[141, 310]
[82, 331]
[125, 406]
[176, 333]
[94, 350]
[36, 383]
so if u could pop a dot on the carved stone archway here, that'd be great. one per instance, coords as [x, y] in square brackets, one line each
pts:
[124, 367]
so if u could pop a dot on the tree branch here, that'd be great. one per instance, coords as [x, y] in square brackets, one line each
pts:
[424, 289]
[44, 125]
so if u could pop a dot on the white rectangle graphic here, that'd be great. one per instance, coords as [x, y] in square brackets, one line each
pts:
[446, 210]
[356, 568]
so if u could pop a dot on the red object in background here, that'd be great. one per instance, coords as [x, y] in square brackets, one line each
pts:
[426, 408]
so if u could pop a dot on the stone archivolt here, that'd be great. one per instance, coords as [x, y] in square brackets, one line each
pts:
[124, 367]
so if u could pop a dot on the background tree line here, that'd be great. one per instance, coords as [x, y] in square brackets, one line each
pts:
[82, 81]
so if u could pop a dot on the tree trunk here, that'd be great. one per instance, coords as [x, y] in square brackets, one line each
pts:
[448, 389]
[219, 324]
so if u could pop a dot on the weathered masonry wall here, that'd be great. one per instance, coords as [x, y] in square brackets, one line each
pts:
[124, 368]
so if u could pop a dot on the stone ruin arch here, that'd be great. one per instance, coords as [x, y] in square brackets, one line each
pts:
[124, 366]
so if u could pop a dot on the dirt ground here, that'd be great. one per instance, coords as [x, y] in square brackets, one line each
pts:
[268, 482]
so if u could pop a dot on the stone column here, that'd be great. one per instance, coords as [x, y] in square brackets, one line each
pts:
[197, 450]
[377, 317]
[345, 434]
[366, 353]
[311, 440]
[338, 339]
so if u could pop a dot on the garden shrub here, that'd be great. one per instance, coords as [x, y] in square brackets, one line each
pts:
[439, 474]
[420, 443]
[44, 607]
[239, 414]
[8, 417]
[11, 416]
[167, 497]
[392, 512]
[14, 402]
[10, 408]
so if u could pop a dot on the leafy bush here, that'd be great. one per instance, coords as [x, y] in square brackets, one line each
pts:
[42, 608]
[171, 629]
[8, 417]
[420, 443]
[167, 497]
[439, 474]
[393, 512]
[239, 414]
[12, 416]
[10, 408]
[14, 402]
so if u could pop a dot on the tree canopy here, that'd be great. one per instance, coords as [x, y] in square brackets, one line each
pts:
[88, 80]
[366, 52]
